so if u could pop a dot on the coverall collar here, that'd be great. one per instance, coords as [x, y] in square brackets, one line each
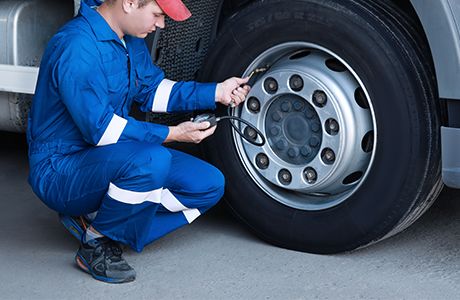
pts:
[98, 24]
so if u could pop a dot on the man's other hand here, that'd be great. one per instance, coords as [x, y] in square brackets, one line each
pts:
[232, 91]
[190, 132]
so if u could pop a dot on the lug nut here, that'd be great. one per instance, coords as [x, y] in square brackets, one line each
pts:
[270, 85]
[310, 114]
[285, 106]
[296, 83]
[274, 131]
[281, 144]
[298, 105]
[315, 127]
[276, 116]
[332, 126]
[319, 98]
[310, 175]
[253, 105]
[314, 141]
[305, 151]
[285, 177]
[262, 161]
[250, 133]
[328, 156]
[293, 152]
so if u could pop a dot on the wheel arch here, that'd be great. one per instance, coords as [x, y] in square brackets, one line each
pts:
[440, 21]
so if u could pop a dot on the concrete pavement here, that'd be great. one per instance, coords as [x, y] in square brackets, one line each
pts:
[217, 258]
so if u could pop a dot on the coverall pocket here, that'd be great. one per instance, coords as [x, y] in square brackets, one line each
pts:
[115, 67]
[117, 83]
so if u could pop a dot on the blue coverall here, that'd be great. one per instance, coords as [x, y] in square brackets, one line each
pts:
[86, 154]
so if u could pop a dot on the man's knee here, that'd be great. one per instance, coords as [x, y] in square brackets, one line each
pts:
[219, 183]
[215, 186]
[205, 179]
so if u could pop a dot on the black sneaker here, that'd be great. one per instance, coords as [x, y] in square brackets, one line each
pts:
[102, 259]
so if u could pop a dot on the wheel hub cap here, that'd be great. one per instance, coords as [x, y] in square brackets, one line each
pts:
[293, 129]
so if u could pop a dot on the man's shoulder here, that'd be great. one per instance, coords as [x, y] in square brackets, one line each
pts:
[71, 44]
[76, 33]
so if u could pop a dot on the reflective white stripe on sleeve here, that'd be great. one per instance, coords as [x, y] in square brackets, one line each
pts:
[113, 132]
[161, 99]
[131, 197]
[172, 204]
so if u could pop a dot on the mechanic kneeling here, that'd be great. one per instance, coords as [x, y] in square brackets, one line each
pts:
[86, 154]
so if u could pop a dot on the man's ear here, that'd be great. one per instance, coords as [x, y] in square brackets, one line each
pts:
[129, 5]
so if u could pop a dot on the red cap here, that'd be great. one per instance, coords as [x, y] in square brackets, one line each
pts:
[175, 9]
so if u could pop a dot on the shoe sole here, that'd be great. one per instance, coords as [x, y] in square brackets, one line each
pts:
[82, 264]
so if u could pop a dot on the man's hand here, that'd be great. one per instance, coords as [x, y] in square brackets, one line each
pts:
[231, 92]
[189, 132]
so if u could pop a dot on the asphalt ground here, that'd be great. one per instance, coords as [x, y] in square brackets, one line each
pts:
[217, 258]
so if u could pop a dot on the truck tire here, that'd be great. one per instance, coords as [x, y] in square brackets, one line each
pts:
[351, 116]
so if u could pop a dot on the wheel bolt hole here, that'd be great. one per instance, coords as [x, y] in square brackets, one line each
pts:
[300, 54]
[319, 98]
[296, 83]
[271, 85]
[361, 99]
[262, 161]
[253, 105]
[353, 177]
[284, 176]
[332, 126]
[328, 156]
[335, 65]
[367, 143]
[310, 175]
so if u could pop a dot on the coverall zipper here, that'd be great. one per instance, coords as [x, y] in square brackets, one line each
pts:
[129, 85]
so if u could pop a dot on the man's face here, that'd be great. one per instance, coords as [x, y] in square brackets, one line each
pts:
[144, 20]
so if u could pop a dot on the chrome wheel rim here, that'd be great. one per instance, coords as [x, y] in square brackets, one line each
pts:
[319, 123]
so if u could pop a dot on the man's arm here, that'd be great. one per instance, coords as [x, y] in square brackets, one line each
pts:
[159, 94]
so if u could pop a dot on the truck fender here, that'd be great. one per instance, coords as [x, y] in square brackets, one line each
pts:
[440, 20]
